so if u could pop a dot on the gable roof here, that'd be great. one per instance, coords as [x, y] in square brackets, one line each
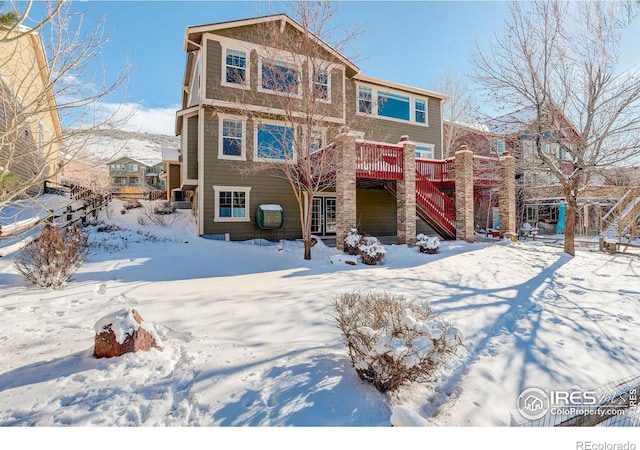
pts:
[194, 33]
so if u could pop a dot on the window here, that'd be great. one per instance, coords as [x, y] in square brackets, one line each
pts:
[231, 204]
[236, 66]
[279, 77]
[421, 111]
[133, 168]
[232, 139]
[274, 142]
[393, 105]
[424, 151]
[364, 100]
[321, 84]
[497, 146]
[317, 141]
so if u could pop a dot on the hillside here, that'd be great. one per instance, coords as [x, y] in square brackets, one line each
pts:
[107, 145]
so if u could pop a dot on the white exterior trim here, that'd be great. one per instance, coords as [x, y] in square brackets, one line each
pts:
[243, 155]
[268, 110]
[257, 122]
[216, 200]
[375, 89]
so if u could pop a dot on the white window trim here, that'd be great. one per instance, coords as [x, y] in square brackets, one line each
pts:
[216, 197]
[431, 146]
[294, 160]
[282, 59]
[243, 155]
[323, 135]
[312, 78]
[247, 78]
[374, 104]
[194, 94]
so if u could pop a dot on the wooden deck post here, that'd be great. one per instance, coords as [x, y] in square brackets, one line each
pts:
[507, 196]
[406, 195]
[345, 153]
[464, 194]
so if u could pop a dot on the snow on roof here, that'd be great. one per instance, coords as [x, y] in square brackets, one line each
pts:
[170, 154]
[150, 162]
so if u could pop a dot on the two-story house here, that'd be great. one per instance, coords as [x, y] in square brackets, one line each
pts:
[242, 109]
[132, 178]
[31, 132]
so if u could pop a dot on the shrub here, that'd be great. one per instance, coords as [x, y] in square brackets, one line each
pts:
[351, 242]
[371, 251]
[164, 207]
[51, 258]
[132, 205]
[392, 341]
[428, 244]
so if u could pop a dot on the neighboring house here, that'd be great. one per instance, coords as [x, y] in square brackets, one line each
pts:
[539, 192]
[132, 178]
[170, 176]
[32, 136]
[220, 145]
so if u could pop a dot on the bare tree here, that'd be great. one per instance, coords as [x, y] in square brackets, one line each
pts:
[305, 77]
[49, 100]
[458, 111]
[554, 69]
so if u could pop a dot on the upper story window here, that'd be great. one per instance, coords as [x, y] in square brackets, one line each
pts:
[274, 142]
[236, 67]
[497, 146]
[424, 151]
[393, 105]
[365, 100]
[133, 168]
[231, 144]
[421, 111]
[279, 77]
[321, 84]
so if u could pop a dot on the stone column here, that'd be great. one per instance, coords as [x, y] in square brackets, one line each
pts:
[464, 194]
[507, 195]
[345, 154]
[406, 195]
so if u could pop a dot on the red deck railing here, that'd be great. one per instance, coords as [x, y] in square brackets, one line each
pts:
[381, 161]
[437, 171]
[436, 204]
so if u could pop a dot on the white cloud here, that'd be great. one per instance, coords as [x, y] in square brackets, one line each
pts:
[140, 118]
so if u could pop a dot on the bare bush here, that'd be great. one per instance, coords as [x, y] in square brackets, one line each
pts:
[158, 213]
[392, 341]
[55, 255]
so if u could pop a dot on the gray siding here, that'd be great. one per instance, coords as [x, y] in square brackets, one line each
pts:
[215, 90]
[192, 148]
[379, 129]
[266, 188]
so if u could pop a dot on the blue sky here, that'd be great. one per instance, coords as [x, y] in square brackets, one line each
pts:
[412, 42]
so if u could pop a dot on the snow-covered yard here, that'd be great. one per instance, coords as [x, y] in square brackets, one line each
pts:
[249, 338]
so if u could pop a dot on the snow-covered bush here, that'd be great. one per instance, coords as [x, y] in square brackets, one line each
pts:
[371, 251]
[351, 242]
[156, 214]
[52, 257]
[428, 244]
[164, 207]
[392, 341]
[132, 205]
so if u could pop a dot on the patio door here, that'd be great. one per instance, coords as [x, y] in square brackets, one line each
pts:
[323, 215]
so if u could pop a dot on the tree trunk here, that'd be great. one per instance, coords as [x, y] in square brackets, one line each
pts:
[570, 221]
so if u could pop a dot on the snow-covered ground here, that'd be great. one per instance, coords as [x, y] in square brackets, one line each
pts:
[249, 339]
